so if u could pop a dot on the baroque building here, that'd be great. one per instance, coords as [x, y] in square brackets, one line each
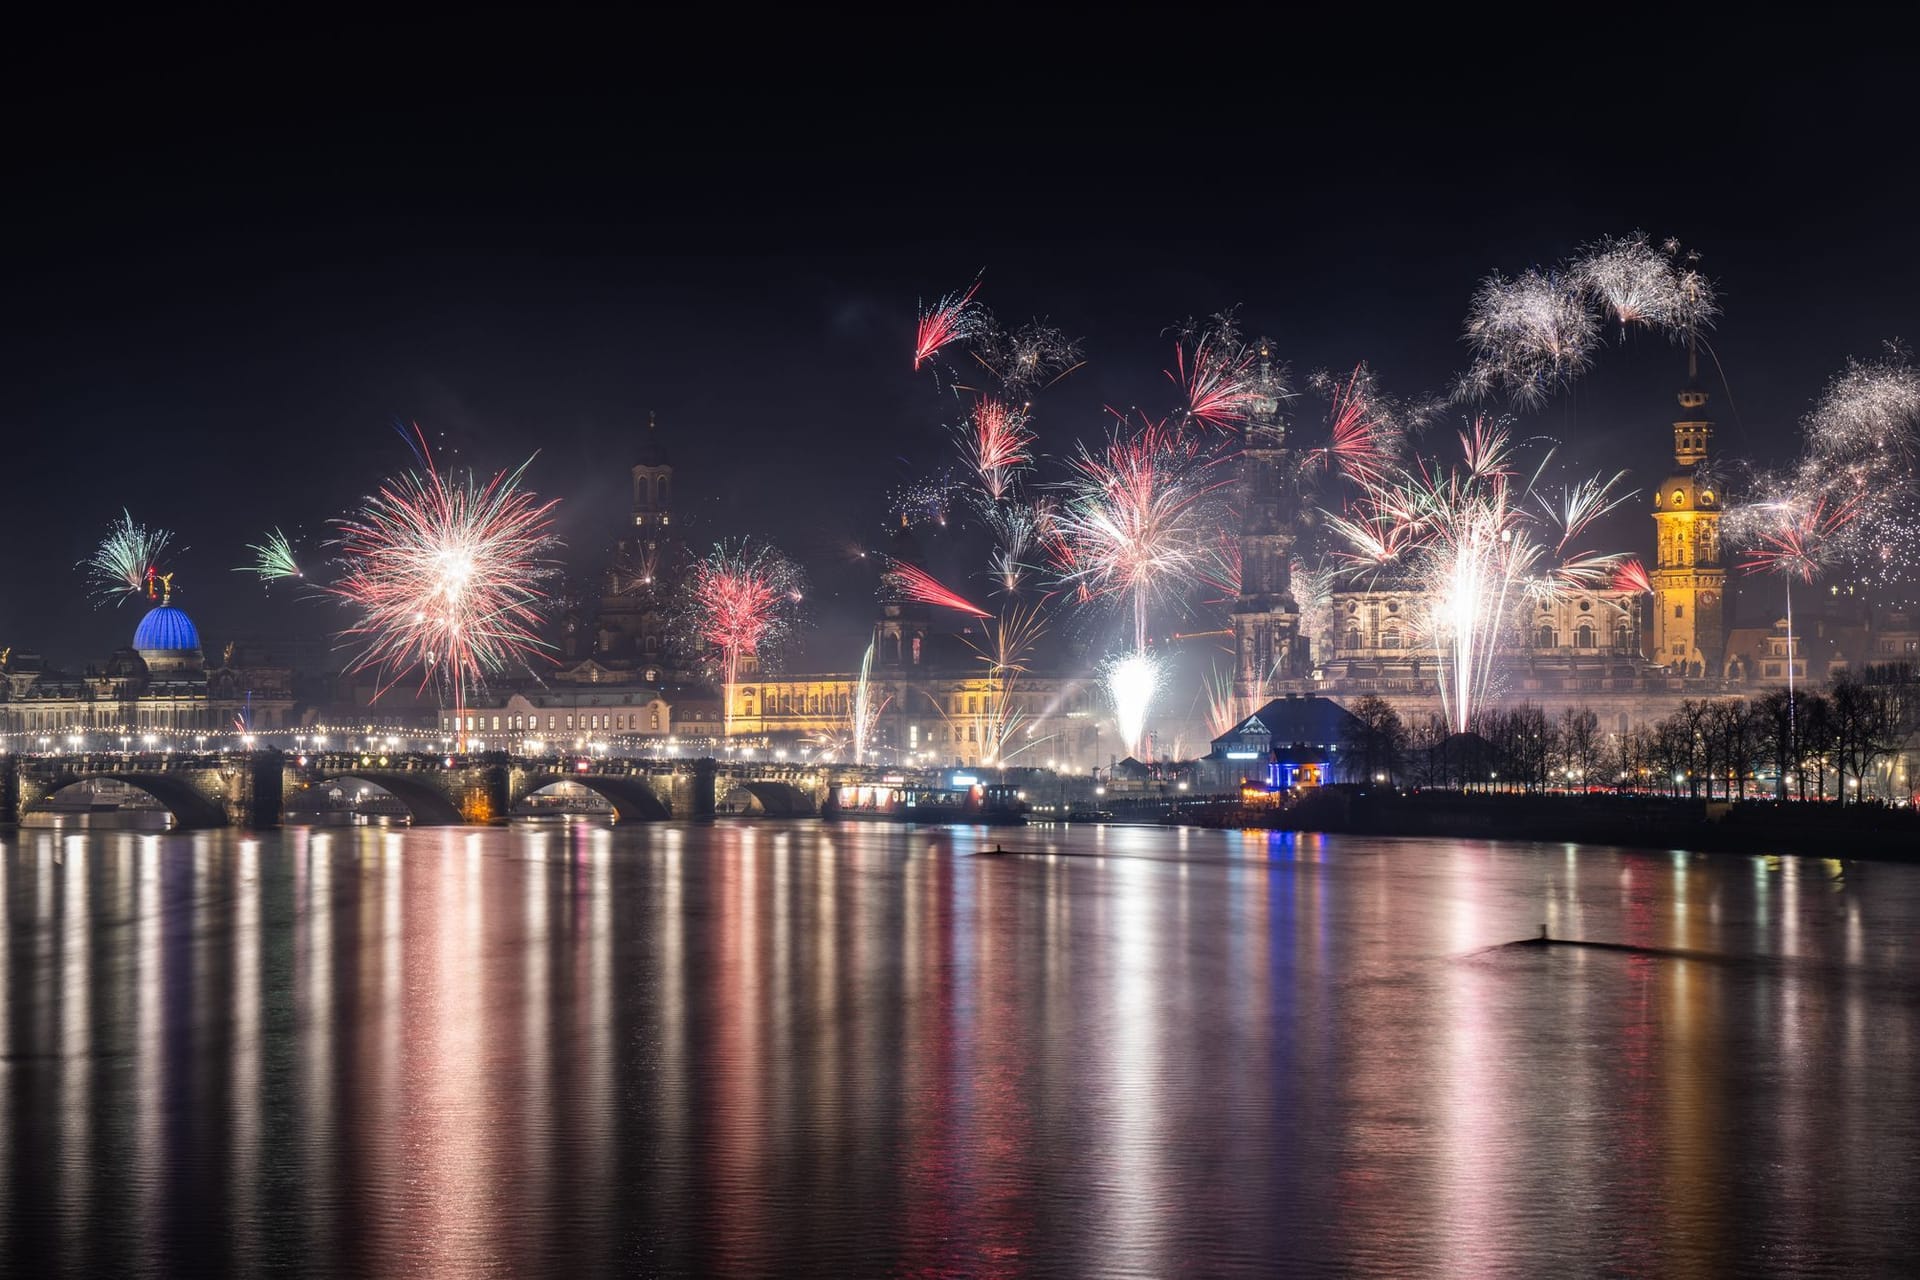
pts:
[1689, 580]
[161, 685]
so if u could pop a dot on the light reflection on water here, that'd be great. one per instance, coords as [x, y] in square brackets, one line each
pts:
[800, 1048]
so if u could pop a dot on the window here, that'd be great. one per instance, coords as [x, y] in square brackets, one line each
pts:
[1679, 611]
[1546, 639]
[1583, 638]
[1353, 638]
[1773, 669]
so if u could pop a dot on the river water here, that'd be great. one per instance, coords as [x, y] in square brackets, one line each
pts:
[806, 1049]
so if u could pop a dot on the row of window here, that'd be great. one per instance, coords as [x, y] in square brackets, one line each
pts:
[616, 722]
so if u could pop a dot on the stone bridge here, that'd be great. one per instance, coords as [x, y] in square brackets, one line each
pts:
[249, 789]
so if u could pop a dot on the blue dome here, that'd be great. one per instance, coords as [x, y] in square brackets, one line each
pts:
[165, 628]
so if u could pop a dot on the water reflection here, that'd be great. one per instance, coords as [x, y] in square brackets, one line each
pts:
[794, 1047]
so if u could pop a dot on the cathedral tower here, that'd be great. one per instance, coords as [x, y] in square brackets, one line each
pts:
[1266, 621]
[634, 595]
[1689, 579]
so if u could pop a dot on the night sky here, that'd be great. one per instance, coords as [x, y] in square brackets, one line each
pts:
[226, 276]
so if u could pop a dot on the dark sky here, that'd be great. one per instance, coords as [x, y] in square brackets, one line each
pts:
[227, 270]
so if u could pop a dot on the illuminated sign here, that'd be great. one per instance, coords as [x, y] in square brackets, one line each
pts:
[965, 780]
[1243, 755]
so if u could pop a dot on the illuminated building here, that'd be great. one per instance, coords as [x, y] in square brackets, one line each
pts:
[1268, 653]
[161, 685]
[1689, 581]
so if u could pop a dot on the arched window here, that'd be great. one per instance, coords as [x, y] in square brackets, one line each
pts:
[1583, 638]
[1353, 638]
[1545, 639]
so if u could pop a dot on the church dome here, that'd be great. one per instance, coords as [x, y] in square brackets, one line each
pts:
[166, 629]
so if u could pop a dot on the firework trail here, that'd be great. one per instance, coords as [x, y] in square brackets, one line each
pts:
[1135, 521]
[444, 572]
[952, 319]
[273, 559]
[1009, 642]
[1223, 705]
[127, 562]
[743, 601]
[866, 709]
[1017, 527]
[1216, 372]
[997, 444]
[916, 583]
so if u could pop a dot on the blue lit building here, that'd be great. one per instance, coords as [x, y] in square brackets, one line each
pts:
[1291, 742]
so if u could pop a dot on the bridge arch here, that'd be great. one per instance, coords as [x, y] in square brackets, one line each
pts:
[191, 808]
[427, 805]
[632, 799]
[772, 799]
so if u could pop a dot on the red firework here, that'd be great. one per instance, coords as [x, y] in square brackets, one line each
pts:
[1359, 441]
[1217, 378]
[743, 602]
[948, 320]
[997, 446]
[1631, 575]
[919, 585]
[444, 572]
[1799, 544]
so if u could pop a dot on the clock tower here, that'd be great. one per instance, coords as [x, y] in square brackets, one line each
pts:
[1266, 621]
[1689, 577]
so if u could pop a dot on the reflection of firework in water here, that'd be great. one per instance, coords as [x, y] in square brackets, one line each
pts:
[1476, 539]
[1135, 524]
[127, 561]
[1132, 680]
[996, 442]
[917, 584]
[743, 602]
[443, 571]
[273, 559]
[949, 320]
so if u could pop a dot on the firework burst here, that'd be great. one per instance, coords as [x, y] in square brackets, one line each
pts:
[1631, 577]
[743, 600]
[1217, 373]
[1032, 357]
[1530, 335]
[952, 319]
[997, 444]
[1136, 522]
[444, 572]
[1363, 435]
[126, 564]
[1132, 680]
[273, 559]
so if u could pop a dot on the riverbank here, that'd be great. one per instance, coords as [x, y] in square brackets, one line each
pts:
[1646, 822]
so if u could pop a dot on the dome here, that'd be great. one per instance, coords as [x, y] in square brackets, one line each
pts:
[166, 630]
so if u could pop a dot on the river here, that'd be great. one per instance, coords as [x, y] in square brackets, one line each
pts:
[807, 1049]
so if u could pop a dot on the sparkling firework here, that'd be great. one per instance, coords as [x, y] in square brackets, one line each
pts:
[917, 584]
[1631, 576]
[1637, 284]
[997, 443]
[1017, 528]
[444, 574]
[1028, 359]
[1530, 335]
[953, 318]
[744, 601]
[1803, 537]
[1132, 680]
[1009, 642]
[1476, 540]
[1363, 436]
[1135, 522]
[273, 559]
[127, 561]
[1218, 374]
[866, 709]
[1223, 705]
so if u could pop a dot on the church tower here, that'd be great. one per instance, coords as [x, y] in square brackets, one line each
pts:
[1689, 578]
[900, 632]
[1266, 621]
[633, 598]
